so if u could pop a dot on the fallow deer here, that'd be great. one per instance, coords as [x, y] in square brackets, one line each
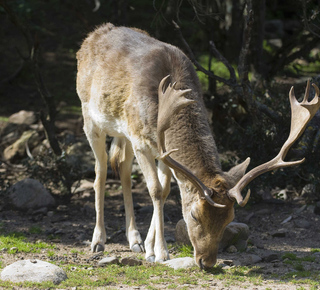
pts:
[146, 94]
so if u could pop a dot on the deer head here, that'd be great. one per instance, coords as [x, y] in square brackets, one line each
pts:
[209, 200]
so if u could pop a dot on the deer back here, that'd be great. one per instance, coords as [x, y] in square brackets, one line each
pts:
[119, 74]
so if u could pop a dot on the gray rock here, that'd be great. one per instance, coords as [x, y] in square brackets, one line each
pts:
[108, 261]
[130, 261]
[302, 223]
[270, 257]
[235, 234]
[280, 233]
[231, 249]
[23, 117]
[252, 259]
[30, 194]
[181, 263]
[42, 211]
[33, 271]
[181, 233]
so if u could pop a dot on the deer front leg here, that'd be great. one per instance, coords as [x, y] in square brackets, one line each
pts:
[155, 244]
[133, 235]
[97, 142]
[164, 175]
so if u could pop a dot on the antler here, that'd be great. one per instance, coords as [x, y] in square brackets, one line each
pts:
[301, 114]
[172, 101]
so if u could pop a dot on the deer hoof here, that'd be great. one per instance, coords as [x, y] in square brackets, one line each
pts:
[151, 259]
[137, 248]
[98, 248]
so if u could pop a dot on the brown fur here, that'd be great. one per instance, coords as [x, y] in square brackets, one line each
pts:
[119, 72]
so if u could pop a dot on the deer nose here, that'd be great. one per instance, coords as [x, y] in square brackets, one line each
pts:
[206, 262]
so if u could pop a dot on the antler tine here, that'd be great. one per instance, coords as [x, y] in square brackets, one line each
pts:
[307, 92]
[171, 101]
[301, 114]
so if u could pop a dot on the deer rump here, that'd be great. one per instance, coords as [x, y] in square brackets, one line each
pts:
[146, 94]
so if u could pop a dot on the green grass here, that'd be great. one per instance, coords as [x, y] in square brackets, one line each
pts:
[185, 251]
[218, 68]
[74, 251]
[315, 250]
[16, 242]
[153, 276]
[4, 119]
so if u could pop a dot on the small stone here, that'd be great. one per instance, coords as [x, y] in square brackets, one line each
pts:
[181, 233]
[304, 224]
[130, 261]
[231, 249]
[25, 270]
[108, 261]
[23, 117]
[181, 263]
[235, 234]
[281, 233]
[270, 257]
[42, 210]
[30, 194]
[50, 213]
[252, 259]
[228, 262]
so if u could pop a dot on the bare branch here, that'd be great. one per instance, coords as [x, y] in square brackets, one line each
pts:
[244, 53]
[217, 53]
[195, 62]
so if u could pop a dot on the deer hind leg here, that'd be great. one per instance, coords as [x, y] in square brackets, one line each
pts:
[155, 244]
[121, 152]
[97, 141]
[164, 175]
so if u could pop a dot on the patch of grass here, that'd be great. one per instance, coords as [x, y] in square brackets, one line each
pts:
[289, 257]
[4, 119]
[50, 253]
[16, 242]
[315, 250]
[185, 251]
[218, 68]
[74, 251]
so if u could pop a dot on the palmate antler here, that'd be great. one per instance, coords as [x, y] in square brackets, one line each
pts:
[172, 101]
[301, 114]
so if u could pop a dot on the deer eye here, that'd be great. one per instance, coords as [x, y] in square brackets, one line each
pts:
[193, 217]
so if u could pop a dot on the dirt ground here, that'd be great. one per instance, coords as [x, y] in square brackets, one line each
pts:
[275, 229]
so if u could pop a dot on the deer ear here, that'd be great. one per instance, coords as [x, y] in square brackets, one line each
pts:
[236, 172]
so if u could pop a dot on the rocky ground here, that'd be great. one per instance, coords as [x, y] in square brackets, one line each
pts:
[279, 231]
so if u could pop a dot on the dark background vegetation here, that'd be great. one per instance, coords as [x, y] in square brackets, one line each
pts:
[271, 45]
